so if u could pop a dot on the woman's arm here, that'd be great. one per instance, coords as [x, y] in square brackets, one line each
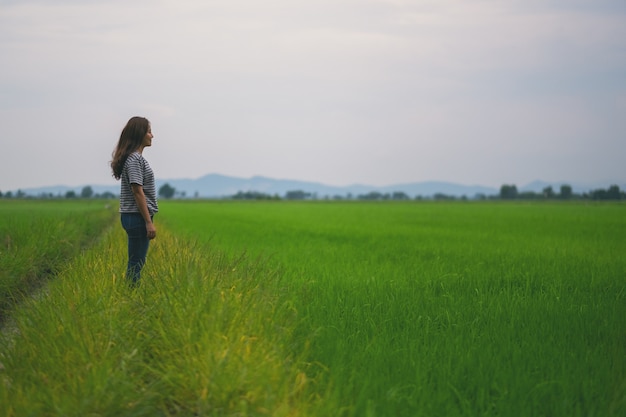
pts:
[140, 199]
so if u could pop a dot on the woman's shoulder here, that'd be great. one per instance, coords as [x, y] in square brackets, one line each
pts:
[135, 157]
[134, 161]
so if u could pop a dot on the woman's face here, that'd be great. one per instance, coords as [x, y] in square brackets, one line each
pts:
[147, 140]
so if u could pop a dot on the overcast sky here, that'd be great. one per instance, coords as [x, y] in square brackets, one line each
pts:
[375, 92]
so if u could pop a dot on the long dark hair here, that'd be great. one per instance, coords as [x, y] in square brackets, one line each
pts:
[130, 140]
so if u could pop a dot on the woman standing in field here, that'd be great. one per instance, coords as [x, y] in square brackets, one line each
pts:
[138, 202]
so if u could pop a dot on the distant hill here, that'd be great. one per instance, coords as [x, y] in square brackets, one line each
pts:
[215, 185]
[218, 186]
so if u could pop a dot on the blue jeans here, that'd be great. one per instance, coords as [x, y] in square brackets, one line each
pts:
[138, 243]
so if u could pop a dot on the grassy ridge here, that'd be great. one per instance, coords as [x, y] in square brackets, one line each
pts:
[446, 309]
[201, 336]
[37, 237]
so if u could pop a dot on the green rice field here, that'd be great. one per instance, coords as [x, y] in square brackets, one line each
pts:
[330, 309]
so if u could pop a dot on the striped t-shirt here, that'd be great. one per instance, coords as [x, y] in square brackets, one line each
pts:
[137, 171]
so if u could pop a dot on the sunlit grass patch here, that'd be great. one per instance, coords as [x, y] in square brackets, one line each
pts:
[200, 336]
[37, 237]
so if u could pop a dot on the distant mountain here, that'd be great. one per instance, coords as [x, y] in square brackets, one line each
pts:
[218, 186]
[215, 185]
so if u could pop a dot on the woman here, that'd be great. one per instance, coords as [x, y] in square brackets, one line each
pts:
[138, 202]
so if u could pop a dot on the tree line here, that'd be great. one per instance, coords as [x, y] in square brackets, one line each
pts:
[165, 191]
[507, 192]
[86, 192]
[510, 192]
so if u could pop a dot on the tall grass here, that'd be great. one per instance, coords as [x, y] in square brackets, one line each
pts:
[202, 335]
[446, 309]
[37, 237]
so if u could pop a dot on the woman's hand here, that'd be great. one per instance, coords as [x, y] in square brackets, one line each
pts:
[140, 199]
[151, 230]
